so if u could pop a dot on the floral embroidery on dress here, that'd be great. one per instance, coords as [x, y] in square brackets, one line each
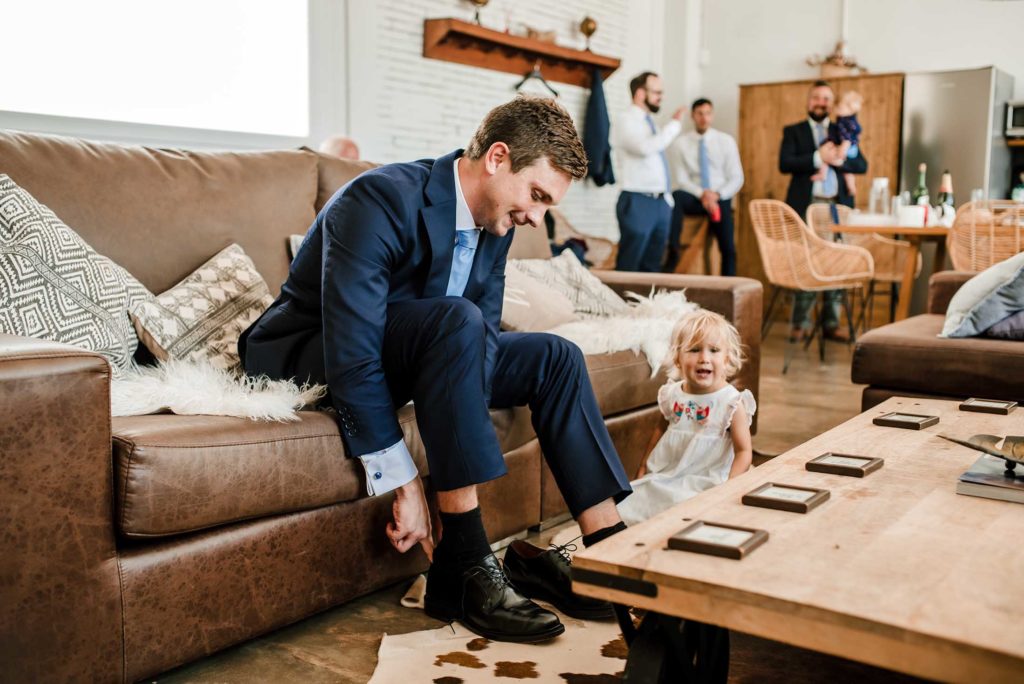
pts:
[692, 410]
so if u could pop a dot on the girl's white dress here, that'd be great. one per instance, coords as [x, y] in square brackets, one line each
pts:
[694, 454]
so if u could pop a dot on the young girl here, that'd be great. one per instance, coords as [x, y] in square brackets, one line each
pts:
[708, 436]
[844, 134]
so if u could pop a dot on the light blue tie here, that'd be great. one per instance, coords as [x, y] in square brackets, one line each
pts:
[462, 260]
[664, 159]
[829, 186]
[705, 170]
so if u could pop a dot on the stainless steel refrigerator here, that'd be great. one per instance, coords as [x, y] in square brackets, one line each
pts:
[954, 120]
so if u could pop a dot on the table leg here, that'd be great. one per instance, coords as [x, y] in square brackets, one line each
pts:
[939, 264]
[907, 286]
[670, 649]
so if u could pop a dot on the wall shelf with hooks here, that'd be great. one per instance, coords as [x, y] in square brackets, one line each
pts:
[462, 42]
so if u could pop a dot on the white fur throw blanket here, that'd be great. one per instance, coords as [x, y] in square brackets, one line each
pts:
[646, 327]
[198, 388]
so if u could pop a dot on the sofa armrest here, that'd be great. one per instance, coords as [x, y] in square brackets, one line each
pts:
[59, 582]
[740, 300]
[941, 288]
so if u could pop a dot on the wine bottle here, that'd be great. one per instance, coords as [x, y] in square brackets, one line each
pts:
[920, 196]
[945, 198]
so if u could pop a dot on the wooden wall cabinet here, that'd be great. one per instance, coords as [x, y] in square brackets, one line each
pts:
[766, 108]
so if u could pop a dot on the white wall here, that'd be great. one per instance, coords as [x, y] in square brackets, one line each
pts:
[403, 106]
[752, 41]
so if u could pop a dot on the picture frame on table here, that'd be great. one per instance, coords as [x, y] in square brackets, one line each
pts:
[718, 539]
[850, 465]
[784, 497]
[907, 421]
[997, 406]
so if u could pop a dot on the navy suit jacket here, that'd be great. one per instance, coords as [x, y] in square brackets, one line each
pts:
[796, 156]
[387, 236]
[595, 135]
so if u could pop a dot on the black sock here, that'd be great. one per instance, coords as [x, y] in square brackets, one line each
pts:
[603, 533]
[463, 539]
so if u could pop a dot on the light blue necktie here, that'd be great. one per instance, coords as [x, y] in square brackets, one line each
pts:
[705, 171]
[829, 186]
[664, 159]
[462, 260]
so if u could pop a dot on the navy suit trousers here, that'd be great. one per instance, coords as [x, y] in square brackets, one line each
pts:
[434, 355]
[643, 232]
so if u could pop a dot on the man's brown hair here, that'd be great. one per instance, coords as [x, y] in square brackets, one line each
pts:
[532, 127]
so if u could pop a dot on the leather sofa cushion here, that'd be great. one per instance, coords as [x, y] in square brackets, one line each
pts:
[178, 474]
[162, 213]
[622, 381]
[909, 355]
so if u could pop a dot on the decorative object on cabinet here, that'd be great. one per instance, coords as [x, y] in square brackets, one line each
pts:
[452, 40]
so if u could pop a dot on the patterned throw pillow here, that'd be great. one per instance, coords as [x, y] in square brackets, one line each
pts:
[54, 286]
[201, 317]
[564, 273]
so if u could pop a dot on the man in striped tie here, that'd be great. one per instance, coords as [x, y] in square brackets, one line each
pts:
[804, 151]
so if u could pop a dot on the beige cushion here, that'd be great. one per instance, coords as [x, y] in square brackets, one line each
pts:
[201, 317]
[54, 286]
[530, 306]
[565, 274]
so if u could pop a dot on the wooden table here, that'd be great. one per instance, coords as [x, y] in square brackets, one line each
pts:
[895, 569]
[914, 236]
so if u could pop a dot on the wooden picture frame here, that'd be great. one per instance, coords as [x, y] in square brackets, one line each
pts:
[907, 421]
[850, 465]
[718, 539]
[784, 497]
[997, 406]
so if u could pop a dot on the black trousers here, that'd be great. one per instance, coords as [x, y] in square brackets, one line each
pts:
[434, 355]
[689, 205]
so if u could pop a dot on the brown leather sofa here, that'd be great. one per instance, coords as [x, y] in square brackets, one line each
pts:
[133, 545]
[908, 359]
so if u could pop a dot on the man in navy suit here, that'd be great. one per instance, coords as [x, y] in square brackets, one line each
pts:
[396, 295]
[804, 150]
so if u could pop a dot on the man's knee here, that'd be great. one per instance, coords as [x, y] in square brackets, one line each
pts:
[557, 352]
[458, 316]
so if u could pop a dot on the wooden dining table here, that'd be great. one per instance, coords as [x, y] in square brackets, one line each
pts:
[914, 236]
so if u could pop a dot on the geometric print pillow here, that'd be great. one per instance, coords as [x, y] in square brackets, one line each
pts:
[201, 317]
[54, 286]
[565, 274]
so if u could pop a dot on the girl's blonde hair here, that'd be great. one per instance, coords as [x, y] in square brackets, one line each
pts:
[697, 326]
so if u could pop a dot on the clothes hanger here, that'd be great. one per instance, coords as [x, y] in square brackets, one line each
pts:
[535, 73]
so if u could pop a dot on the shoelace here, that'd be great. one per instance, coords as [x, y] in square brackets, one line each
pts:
[565, 550]
[495, 574]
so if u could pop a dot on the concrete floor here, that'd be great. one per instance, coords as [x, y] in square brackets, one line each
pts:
[340, 646]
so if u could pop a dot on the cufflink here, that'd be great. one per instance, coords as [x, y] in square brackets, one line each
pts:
[377, 475]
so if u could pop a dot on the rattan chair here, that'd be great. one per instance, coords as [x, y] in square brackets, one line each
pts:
[796, 259]
[889, 255]
[985, 233]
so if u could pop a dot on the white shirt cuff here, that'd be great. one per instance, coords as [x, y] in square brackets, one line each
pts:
[388, 469]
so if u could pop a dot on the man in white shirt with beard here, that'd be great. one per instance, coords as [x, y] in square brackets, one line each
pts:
[644, 209]
[708, 175]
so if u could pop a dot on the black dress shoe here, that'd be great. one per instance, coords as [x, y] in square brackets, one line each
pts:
[544, 575]
[483, 600]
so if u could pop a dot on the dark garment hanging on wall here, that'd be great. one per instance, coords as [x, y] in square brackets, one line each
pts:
[595, 136]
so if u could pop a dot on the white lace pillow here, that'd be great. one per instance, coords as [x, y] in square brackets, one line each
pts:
[54, 286]
[565, 274]
[201, 317]
[531, 306]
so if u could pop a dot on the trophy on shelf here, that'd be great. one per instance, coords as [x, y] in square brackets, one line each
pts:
[478, 4]
[588, 27]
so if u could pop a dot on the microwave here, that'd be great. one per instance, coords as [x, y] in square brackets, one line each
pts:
[1015, 119]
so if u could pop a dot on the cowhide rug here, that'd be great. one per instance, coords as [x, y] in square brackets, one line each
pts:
[588, 652]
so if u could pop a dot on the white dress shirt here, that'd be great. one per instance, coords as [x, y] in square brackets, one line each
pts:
[393, 467]
[818, 187]
[724, 170]
[639, 152]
